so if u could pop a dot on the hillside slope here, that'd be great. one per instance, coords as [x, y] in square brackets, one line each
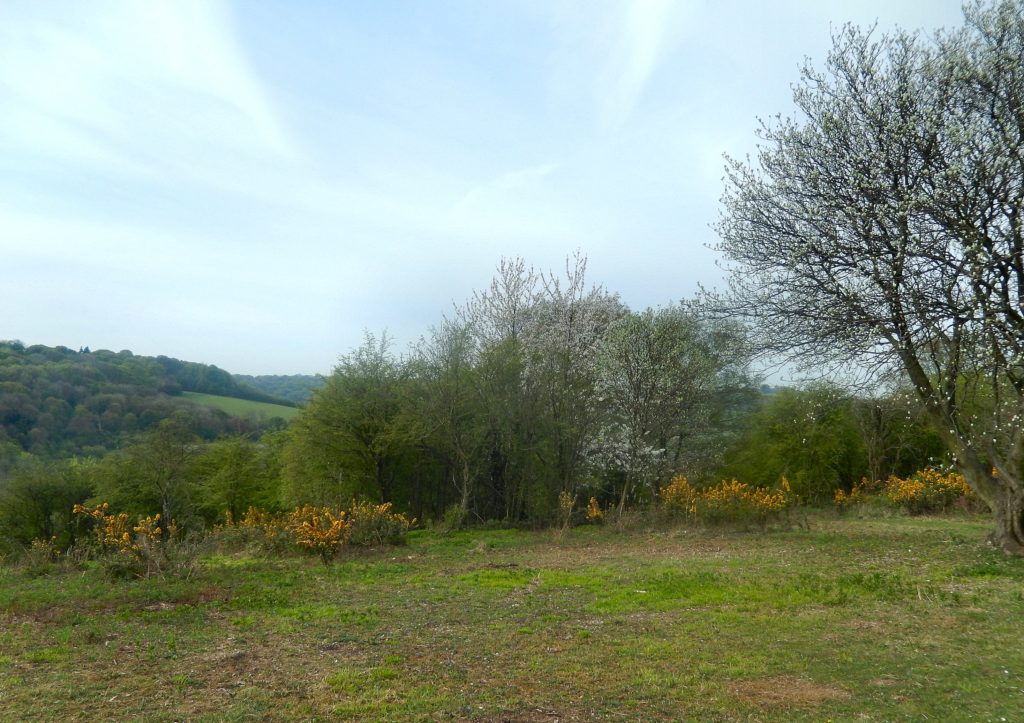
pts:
[297, 388]
[56, 402]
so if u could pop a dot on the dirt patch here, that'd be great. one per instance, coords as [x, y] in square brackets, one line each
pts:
[883, 682]
[534, 715]
[785, 692]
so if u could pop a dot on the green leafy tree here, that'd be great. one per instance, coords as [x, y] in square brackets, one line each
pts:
[345, 443]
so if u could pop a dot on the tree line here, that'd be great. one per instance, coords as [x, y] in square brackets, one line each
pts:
[539, 388]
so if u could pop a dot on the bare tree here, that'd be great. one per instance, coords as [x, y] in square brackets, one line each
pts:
[882, 226]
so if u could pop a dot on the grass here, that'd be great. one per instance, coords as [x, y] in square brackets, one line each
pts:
[879, 619]
[243, 407]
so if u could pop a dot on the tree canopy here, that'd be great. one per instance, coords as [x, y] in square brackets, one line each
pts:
[881, 226]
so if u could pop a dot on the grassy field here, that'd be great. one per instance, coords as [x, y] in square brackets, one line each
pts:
[243, 407]
[882, 619]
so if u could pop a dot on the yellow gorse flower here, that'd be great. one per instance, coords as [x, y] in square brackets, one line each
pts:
[729, 498]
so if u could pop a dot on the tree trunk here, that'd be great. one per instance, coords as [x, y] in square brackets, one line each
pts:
[627, 483]
[1008, 510]
[1005, 498]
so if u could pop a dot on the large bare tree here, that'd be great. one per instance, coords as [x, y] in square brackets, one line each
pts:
[881, 226]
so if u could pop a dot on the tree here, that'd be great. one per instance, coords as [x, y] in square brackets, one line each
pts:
[237, 473]
[446, 414]
[343, 444]
[809, 436]
[661, 371]
[882, 227]
[156, 474]
[567, 328]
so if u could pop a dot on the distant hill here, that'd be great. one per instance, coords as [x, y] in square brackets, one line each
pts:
[58, 402]
[297, 388]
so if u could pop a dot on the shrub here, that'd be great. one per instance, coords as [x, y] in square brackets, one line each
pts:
[320, 529]
[928, 490]
[454, 518]
[372, 524]
[594, 511]
[566, 503]
[146, 548]
[727, 502]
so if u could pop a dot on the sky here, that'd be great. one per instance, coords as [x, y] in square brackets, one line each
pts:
[254, 184]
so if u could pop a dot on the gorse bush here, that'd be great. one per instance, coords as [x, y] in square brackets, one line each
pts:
[145, 548]
[373, 525]
[322, 530]
[319, 529]
[727, 502]
[928, 490]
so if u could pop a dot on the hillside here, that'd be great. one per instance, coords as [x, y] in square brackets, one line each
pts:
[297, 388]
[57, 402]
[243, 407]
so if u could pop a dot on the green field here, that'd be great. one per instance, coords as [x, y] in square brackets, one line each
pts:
[885, 619]
[243, 407]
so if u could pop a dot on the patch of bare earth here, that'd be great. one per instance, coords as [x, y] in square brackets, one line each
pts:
[785, 692]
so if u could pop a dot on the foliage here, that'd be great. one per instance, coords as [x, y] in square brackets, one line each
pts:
[236, 473]
[323, 530]
[594, 511]
[159, 472]
[727, 502]
[344, 444]
[810, 436]
[297, 388]
[663, 373]
[566, 504]
[376, 524]
[928, 490]
[319, 529]
[56, 402]
[148, 547]
[881, 228]
[36, 502]
[542, 383]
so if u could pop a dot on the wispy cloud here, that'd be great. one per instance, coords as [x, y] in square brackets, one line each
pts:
[126, 82]
[633, 58]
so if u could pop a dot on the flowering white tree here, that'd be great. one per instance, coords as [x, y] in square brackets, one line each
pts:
[882, 226]
[568, 325]
[661, 372]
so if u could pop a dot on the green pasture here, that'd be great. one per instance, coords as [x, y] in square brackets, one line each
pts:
[243, 407]
[886, 619]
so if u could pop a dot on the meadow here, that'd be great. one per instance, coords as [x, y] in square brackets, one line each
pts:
[884, 618]
[243, 407]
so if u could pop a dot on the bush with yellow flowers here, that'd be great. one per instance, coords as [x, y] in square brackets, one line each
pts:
[730, 501]
[594, 512]
[127, 550]
[863, 492]
[319, 529]
[928, 490]
[372, 525]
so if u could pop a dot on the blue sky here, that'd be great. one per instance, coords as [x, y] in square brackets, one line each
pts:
[253, 184]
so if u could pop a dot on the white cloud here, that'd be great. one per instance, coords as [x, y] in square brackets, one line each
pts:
[633, 58]
[149, 80]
